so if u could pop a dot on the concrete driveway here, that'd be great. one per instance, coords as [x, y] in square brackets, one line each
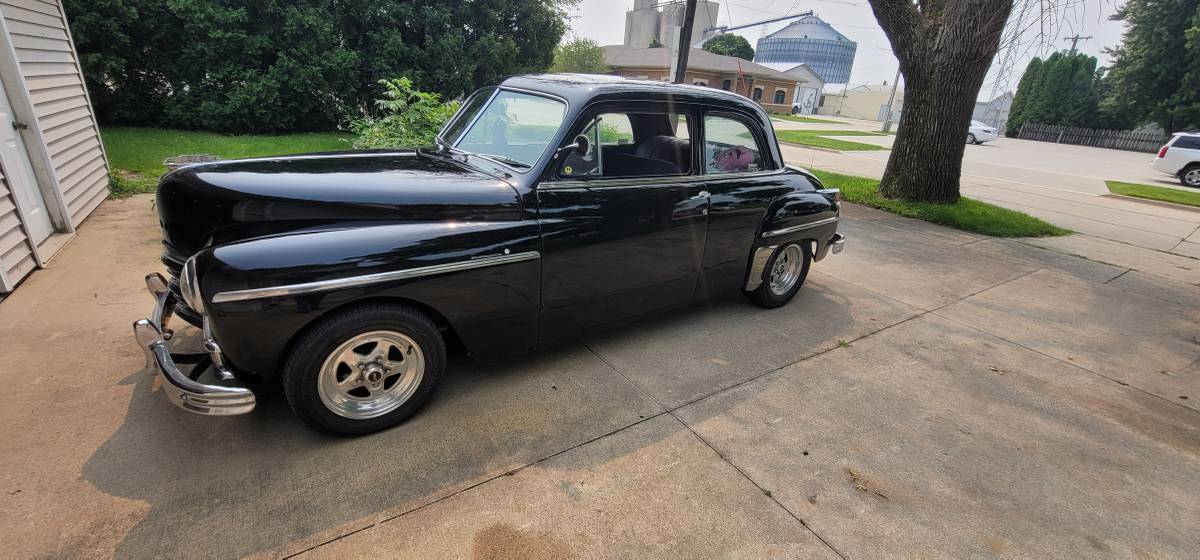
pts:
[930, 393]
[1061, 184]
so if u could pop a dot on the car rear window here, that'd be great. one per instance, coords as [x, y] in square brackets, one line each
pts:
[1187, 142]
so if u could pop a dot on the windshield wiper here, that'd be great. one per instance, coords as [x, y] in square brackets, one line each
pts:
[506, 160]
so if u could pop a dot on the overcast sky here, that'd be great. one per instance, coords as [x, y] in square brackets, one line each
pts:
[604, 22]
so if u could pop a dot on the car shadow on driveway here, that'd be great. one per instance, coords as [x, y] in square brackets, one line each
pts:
[224, 487]
[263, 480]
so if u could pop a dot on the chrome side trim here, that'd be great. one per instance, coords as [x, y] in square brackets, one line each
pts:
[757, 265]
[793, 229]
[368, 279]
[618, 182]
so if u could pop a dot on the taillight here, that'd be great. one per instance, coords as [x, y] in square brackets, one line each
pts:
[1162, 152]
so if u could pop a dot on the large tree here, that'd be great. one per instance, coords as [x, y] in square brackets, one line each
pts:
[273, 65]
[729, 44]
[945, 48]
[1155, 75]
[581, 56]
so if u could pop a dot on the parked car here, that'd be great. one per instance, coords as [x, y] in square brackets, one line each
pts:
[981, 132]
[1180, 158]
[550, 204]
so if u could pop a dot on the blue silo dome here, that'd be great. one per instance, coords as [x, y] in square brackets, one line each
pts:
[809, 40]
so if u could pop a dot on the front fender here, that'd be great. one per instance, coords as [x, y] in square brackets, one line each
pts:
[481, 278]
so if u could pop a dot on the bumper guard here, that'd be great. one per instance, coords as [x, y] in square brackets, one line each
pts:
[151, 335]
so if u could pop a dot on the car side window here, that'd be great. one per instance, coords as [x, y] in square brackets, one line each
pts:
[631, 145]
[730, 146]
[1187, 142]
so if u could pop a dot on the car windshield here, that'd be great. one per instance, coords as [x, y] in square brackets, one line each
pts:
[977, 123]
[513, 128]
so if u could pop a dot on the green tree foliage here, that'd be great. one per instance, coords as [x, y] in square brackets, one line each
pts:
[408, 118]
[275, 65]
[1062, 90]
[581, 56]
[656, 44]
[730, 45]
[1156, 71]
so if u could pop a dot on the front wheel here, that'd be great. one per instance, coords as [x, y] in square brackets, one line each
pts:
[783, 276]
[1190, 177]
[971, 138]
[364, 369]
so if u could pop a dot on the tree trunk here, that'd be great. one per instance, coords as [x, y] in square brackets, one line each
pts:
[926, 159]
[945, 48]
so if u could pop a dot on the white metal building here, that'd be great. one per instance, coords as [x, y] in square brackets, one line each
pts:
[53, 170]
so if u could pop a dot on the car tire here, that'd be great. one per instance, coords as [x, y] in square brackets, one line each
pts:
[971, 138]
[785, 273]
[364, 369]
[1190, 176]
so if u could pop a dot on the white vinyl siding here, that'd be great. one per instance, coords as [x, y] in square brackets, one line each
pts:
[48, 63]
[16, 256]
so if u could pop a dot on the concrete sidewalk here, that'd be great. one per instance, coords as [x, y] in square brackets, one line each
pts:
[1138, 234]
[929, 393]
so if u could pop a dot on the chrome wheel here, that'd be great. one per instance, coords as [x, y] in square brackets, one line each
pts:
[786, 270]
[1192, 177]
[371, 375]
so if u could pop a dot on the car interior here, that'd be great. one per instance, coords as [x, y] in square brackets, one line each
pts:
[633, 145]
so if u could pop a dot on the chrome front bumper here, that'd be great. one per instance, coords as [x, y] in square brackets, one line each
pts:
[151, 334]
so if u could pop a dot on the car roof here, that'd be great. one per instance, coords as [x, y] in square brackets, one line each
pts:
[578, 89]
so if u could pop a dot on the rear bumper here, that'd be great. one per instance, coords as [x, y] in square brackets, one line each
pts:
[151, 335]
[1164, 165]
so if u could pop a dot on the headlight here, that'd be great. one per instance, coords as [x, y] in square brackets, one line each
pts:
[189, 287]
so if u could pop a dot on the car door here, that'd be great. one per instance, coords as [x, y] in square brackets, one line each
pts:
[742, 177]
[623, 227]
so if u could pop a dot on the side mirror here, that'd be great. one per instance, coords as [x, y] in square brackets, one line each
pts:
[581, 145]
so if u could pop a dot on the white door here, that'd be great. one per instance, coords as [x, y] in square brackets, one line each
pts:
[19, 175]
[808, 101]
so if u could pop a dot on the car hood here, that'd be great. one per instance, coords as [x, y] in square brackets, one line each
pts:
[219, 202]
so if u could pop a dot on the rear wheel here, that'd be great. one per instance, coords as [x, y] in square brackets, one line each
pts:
[971, 138]
[783, 276]
[1190, 176]
[364, 369]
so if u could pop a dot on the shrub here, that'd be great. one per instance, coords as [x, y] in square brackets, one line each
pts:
[408, 117]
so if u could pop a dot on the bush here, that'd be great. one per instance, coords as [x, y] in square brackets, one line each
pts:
[255, 66]
[409, 117]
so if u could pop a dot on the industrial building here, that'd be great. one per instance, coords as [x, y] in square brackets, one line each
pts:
[811, 41]
[646, 24]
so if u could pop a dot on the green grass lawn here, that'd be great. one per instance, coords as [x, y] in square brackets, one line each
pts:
[1154, 193]
[966, 214]
[799, 119]
[817, 139]
[136, 154]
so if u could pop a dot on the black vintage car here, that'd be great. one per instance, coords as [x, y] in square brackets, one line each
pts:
[550, 204]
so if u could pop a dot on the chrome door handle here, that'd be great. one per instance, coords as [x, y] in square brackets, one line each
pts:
[701, 194]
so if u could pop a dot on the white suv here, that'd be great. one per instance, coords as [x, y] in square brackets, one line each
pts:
[1181, 158]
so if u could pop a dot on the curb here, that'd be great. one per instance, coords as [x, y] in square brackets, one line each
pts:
[1154, 202]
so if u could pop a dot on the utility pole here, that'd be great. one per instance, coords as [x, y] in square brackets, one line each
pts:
[887, 121]
[1075, 41]
[684, 45]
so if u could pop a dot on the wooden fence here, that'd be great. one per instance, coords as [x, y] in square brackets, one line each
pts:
[1115, 139]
